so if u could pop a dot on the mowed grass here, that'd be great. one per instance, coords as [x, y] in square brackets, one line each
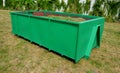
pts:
[20, 56]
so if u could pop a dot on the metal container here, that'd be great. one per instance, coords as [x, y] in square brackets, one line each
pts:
[69, 38]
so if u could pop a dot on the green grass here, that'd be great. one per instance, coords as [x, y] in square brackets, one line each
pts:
[20, 56]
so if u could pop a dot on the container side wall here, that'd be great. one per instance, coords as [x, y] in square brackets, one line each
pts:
[14, 22]
[90, 34]
[21, 25]
[63, 37]
[39, 31]
[24, 26]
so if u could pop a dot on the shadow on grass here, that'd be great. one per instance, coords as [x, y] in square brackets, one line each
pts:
[65, 57]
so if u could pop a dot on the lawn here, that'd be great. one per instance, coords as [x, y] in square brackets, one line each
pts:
[18, 55]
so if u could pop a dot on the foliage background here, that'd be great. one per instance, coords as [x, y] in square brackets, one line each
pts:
[107, 8]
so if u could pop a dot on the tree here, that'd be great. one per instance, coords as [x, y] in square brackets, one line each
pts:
[48, 4]
[3, 3]
[63, 5]
[74, 6]
[86, 6]
[97, 8]
[0, 3]
[112, 8]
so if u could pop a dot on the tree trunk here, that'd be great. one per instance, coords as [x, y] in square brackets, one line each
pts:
[3, 3]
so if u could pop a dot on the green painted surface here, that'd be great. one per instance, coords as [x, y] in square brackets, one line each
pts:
[72, 39]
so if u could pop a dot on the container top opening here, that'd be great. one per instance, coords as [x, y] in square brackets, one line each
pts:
[69, 18]
[60, 16]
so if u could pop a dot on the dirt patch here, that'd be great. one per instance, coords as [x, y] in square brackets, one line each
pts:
[59, 16]
[76, 19]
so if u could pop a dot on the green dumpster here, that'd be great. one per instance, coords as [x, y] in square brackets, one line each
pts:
[66, 37]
